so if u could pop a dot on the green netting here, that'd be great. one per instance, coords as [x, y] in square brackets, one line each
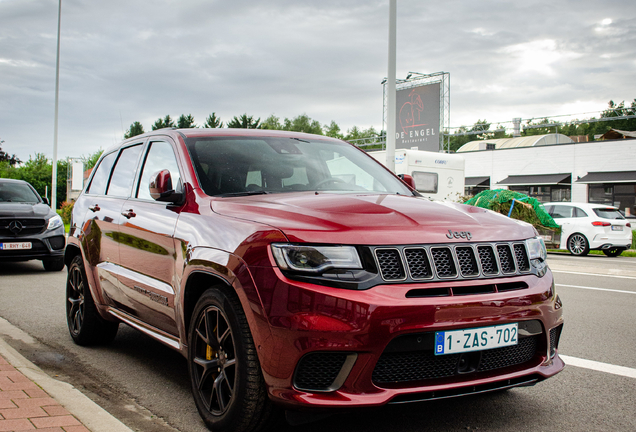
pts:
[524, 208]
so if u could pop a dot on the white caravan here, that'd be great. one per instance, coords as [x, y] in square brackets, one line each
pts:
[438, 176]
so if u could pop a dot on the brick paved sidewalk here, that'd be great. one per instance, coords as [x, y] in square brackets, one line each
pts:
[24, 406]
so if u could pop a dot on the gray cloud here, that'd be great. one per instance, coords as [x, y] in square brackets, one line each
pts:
[125, 61]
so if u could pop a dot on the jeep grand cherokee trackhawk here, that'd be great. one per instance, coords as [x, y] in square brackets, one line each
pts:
[295, 272]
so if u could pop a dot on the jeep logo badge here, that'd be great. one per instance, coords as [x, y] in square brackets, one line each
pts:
[459, 234]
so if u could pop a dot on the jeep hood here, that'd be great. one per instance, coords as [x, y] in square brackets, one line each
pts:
[371, 218]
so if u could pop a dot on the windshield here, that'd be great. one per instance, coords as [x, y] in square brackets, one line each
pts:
[17, 192]
[608, 213]
[230, 166]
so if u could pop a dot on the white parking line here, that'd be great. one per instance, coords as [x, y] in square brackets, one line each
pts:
[598, 366]
[596, 289]
[593, 274]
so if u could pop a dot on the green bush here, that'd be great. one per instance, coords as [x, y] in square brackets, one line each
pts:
[65, 211]
[633, 239]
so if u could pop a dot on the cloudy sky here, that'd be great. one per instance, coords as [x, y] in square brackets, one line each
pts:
[132, 60]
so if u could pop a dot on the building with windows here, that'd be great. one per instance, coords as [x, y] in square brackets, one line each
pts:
[555, 168]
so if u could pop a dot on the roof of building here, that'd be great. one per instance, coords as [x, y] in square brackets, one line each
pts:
[526, 141]
[618, 134]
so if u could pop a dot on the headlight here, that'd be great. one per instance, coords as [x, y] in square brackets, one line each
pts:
[315, 259]
[55, 222]
[536, 249]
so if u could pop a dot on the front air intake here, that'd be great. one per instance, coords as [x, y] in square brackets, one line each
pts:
[323, 371]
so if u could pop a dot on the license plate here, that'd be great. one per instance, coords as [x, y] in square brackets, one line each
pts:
[617, 228]
[476, 339]
[15, 246]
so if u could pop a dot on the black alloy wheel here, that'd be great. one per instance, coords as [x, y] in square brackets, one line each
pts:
[226, 378]
[215, 360]
[84, 323]
[75, 307]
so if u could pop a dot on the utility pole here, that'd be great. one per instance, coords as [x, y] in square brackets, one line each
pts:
[391, 102]
[57, 100]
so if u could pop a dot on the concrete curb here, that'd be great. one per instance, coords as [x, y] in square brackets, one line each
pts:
[84, 409]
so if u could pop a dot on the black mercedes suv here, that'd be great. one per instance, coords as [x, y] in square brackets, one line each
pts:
[29, 228]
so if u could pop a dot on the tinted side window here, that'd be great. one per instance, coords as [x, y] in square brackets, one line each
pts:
[100, 178]
[578, 212]
[124, 172]
[160, 156]
[561, 211]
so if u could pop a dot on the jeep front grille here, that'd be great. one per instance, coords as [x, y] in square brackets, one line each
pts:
[457, 262]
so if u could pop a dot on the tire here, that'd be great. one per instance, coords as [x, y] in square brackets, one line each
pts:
[53, 264]
[614, 252]
[84, 323]
[578, 245]
[226, 378]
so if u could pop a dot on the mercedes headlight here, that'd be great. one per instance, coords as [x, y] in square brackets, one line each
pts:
[315, 259]
[55, 222]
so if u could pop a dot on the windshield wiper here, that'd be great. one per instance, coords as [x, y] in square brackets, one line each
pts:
[244, 193]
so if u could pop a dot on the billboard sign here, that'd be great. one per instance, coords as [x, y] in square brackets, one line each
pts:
[417, 122]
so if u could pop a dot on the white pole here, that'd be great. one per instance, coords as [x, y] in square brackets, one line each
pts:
[391, 102]
[57, 98]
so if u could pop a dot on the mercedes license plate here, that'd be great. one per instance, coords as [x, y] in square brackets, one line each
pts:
[15, 246]
[617, 228]
[476, 339]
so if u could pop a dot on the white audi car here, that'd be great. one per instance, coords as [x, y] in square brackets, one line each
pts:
[586, 226]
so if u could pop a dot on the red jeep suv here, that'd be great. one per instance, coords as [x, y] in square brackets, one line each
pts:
[295, 272]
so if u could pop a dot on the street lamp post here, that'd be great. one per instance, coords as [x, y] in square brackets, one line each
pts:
[391, 102]
[57, 97]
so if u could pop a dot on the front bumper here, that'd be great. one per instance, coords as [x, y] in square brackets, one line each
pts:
[49, 244]
[359, 326]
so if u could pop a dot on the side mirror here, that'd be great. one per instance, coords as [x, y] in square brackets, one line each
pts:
[408, 180]
[46, 201]
[161, 188]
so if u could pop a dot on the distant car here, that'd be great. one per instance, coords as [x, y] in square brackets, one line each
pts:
[29, 228]
[586, 226]
[630, 218]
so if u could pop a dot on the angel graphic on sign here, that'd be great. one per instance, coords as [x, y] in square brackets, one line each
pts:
[410, 111]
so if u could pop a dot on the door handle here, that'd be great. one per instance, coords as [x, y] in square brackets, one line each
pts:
[94, 208]
[129, 214]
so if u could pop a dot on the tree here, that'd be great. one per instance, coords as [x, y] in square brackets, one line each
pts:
[355, 133]
[186, 122]
[135, 129]
[12, 160]
[91, 159]
[539, 130]
[244, 122]
[272, 122]
[333, 130]
[165, 122]
[213, 121]
[37, 171]
[303, 123]
[617, 110]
